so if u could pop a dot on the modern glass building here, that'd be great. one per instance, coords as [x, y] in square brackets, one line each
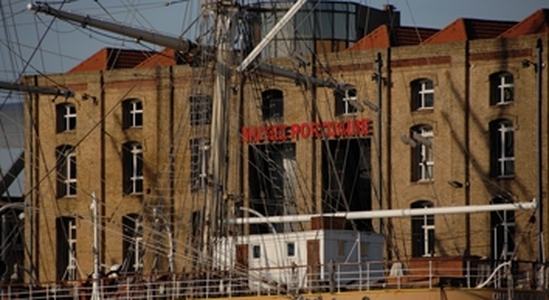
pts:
[318, 27]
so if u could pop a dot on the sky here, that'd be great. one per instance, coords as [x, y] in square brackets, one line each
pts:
[33, 43]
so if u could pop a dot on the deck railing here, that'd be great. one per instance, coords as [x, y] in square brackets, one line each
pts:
[295, 280]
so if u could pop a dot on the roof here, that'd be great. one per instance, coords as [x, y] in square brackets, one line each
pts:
[383, 37]
[166, 57]
[469, 29]
[112, 58]
[538, 22]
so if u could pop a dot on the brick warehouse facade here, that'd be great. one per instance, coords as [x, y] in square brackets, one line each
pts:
[469, 95]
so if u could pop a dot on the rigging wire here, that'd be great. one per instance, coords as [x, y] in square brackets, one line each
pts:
[328, 97]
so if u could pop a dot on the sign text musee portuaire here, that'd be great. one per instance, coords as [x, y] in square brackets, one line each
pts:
[293, 132]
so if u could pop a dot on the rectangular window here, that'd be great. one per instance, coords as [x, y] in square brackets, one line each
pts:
[423, 94]
[346, 102]
[200, 154]
[70, 181]
[66, 117]
[200, 109]
[133, 168]
[290, 247]
[256, 251]
[272, 179]
[502, 148]
[272, 105]
[133, 113]
[66, 172]
[132, 243]
[422, 160]
[423, 232]
[503, 233]
[66, 248]
[501, 88]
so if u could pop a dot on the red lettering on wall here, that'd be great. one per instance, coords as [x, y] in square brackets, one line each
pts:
[294, 131]
[327, 126]
[340, 129]
[315, 130]
[305, 131]
[283, 132]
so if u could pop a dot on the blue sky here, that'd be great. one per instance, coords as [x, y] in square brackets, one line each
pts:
[32, 43]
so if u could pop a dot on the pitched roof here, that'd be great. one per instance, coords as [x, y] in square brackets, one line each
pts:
[383, 37]
[538, 22]
[166, 57]
[112, 58]
[469, 29]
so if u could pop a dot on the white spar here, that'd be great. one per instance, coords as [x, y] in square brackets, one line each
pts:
[393, 213]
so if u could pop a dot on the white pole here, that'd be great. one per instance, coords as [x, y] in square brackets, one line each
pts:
[407, 212]
[95, 285]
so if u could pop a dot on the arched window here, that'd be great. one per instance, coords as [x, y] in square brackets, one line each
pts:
[502, 148]
[423, 94]
[503, 232]
[502, 88]
[346, 102]
[423, 231]
[66, 171]
[272, 106]
[132, 111]
[422, 153]
[65, 228]
[132, 243]
[132, 153]
[65, 117]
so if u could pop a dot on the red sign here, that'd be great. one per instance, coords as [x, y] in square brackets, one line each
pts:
[327, 129]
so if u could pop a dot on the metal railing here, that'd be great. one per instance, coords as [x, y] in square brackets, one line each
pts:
[295, 280]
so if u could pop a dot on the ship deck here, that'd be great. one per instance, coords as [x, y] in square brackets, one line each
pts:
[425, 278]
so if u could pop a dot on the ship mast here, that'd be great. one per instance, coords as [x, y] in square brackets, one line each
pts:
[225, 13]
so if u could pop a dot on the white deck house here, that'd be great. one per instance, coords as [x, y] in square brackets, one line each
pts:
[298, 260]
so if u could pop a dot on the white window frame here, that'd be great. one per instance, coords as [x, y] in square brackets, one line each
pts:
[427, 229]
[132, 111]
[69, 115]
[426, 162]
[506, 227]
[67, 161]
[503, 84]
[349, 109]
[70, 181]
[503, 129]
[137, 240]
[135, 150]
[71, 239]
[422, 91]
[135, 111]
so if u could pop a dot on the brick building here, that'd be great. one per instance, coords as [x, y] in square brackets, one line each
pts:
[458, 128]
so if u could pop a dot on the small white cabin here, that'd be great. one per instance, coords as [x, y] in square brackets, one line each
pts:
[298, 260]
